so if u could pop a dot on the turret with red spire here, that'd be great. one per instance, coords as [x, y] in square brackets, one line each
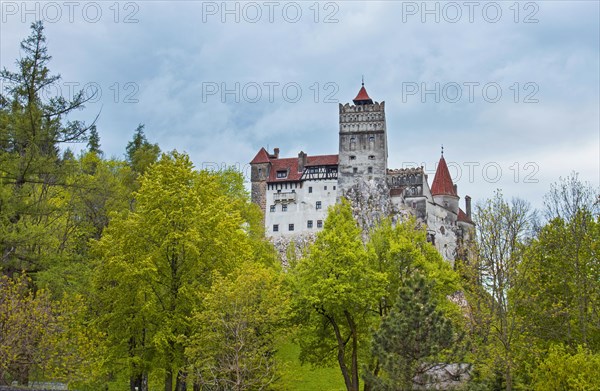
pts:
[362, 98]
[443, 190]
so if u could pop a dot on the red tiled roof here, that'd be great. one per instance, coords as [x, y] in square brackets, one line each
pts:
[442, 182]
[261, 157]
[462, 216]
[322, 160]
[362, 96]
[290, 165]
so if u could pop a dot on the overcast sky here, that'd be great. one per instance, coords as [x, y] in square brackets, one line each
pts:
[510, 89]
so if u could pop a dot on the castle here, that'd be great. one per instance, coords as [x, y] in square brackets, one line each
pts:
[294, 193]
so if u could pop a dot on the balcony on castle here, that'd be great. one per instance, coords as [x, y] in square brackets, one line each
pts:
[284, 197]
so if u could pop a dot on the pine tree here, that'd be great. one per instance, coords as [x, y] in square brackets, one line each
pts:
[414, 340]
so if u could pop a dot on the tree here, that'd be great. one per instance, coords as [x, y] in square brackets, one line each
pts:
[41, 335]
[492, 279]
[93, 143]
[141, 153]
[561, 302]
[232, 346]
[32, 177]
[156, 262]
[398, 251]
[564, 370]
[415, 340]
[336, 290]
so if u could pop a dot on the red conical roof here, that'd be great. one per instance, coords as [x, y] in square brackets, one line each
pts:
[362, 97]
[261, 157]
[442, 182]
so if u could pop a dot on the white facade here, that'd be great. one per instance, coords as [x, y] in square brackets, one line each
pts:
[298, 207]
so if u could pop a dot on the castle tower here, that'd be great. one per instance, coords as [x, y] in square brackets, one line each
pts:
[259, 173]
[444, 192]
[363, 141]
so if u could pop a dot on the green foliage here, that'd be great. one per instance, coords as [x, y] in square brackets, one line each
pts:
[234, 335]
[561, 370]
[40, 335]
[492, 279]
[33, 179]
[345, 288]
[141, 153]
[157, 262]
[414, 339]
[336, 291]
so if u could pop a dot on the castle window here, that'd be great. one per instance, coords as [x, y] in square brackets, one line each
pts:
[352, 157]
[309, 224]
[352, 143]
[281, 174]
[310, 189]
[284, 208]
[370, 170]
[259, 171]
[371, 157]
[318, 205]
[333, 187]
[272, 208]
[275, 227]
[372, 139]
[325, 188]
[319, 223]
[354, 170]
[291, 227]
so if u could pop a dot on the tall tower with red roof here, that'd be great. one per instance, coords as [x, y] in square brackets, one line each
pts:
[362, 141]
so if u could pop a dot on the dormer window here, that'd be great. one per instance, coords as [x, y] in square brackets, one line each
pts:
[282, 174]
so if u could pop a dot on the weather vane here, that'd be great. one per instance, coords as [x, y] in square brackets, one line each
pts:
[363, 80]
[442, 149]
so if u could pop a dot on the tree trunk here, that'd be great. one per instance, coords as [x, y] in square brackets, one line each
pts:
[169, 380]
[135, 383]
[180, 383]
[341, 350]
[354, 350]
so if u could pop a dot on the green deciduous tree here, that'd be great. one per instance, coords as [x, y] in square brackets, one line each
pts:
[561, 267]
[44, 337]
[156, 263]
[337, 291]
[232, 346]
[492, 280]
[564, 370]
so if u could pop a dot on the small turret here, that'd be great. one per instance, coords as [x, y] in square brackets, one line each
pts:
[444, 192]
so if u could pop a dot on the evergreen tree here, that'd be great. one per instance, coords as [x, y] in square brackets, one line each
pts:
[33, 178]
[141, 153]
[414, 341]
[93, 143]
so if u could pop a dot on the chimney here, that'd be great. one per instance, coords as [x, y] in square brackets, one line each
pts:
[456, 189]
[276, 153]
[468, 206]
[301, 161]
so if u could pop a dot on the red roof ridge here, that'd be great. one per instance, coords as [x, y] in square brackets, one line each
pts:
[442, 182]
